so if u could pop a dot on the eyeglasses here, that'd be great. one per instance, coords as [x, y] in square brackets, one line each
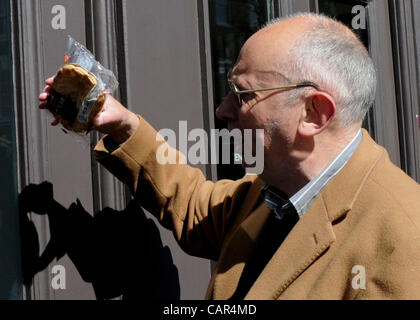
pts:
[238, 92]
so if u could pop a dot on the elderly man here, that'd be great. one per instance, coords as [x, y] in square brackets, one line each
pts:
[330, 217]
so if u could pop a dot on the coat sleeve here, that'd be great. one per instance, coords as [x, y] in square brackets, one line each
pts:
[199, 212]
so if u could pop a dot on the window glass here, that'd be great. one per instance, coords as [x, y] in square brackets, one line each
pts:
[10, 274]
[342, 11]
[232, 22]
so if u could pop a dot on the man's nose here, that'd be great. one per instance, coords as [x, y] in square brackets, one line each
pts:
[228, 109]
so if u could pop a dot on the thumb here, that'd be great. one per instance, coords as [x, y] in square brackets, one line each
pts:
[98, 120]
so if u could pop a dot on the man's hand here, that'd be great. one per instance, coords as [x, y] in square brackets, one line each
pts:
[43, 97]
[114, 119]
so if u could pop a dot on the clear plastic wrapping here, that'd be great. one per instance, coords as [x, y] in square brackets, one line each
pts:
[78, 54]
[77, 93]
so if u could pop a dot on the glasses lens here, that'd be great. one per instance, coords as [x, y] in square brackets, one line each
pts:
[234, 90]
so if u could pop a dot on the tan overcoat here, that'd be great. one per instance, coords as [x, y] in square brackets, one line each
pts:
[360, 239]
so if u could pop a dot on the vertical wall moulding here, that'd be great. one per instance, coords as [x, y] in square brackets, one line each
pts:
[101, 38]
[206, 77]
[31, 126]
[384, 111]
[405, 37]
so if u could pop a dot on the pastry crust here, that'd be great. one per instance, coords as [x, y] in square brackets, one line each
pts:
[72, 84]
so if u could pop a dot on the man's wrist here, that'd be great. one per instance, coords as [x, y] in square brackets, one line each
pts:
[126, 130]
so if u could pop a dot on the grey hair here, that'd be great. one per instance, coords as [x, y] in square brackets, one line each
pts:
[331, 55]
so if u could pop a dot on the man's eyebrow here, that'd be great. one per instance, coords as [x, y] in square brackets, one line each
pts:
[275, 74]
[264, 76]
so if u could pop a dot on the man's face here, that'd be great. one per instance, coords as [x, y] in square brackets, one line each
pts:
[270, 110]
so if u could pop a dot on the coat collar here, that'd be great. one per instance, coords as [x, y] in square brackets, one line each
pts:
[310, 237]
[340, 194]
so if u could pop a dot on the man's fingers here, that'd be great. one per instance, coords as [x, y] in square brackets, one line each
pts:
[50, 81]
[97, 121]
[43, 96]
[47, 89]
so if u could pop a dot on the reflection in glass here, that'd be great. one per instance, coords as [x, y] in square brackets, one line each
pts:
[10, 271]
[342, 11]
[232, 22]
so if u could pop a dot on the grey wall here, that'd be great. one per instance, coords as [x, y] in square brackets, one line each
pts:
[67, 157]
[46, 153]
[164, 86]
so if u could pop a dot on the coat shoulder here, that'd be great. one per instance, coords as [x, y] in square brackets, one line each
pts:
[396, 193]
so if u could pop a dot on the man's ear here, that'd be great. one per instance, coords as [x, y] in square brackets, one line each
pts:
[318, 112]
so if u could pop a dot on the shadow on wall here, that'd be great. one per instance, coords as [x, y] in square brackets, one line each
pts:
[119, 252]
